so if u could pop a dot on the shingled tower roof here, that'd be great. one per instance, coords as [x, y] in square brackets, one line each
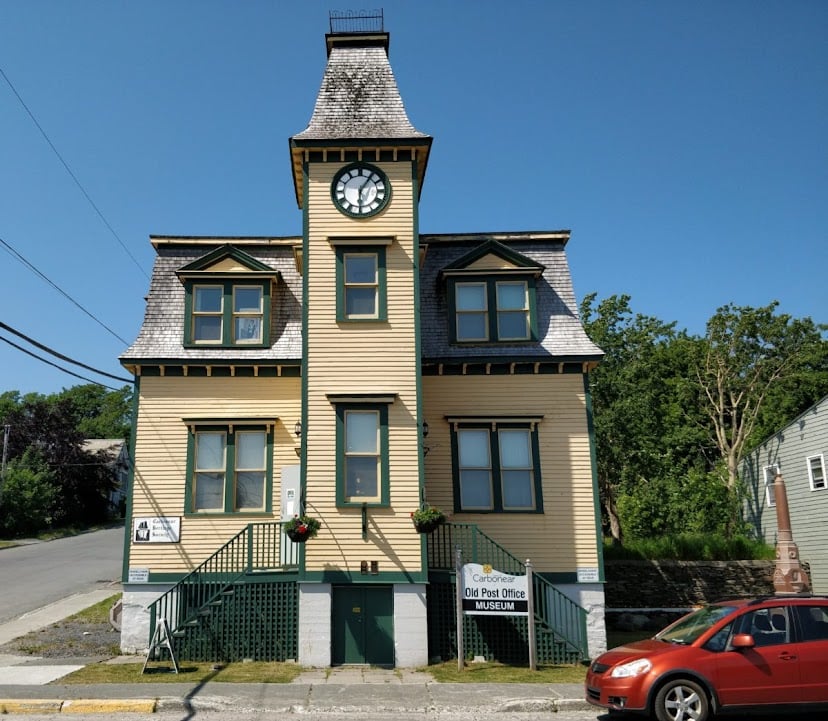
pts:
[359, 104]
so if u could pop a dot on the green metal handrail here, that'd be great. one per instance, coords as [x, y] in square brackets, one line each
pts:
[557, 613]
[256, 548]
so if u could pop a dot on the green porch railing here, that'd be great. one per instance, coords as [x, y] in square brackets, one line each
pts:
[258, 548]
[557, 613]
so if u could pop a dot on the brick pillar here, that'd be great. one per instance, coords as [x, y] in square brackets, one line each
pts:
[789, 576]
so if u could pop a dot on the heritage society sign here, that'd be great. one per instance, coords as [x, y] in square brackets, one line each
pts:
[157, 530]
[490, 592]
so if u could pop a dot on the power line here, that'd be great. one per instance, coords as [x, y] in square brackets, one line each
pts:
[33, 342]
[72, 175]
[25, 262]
[55, 365]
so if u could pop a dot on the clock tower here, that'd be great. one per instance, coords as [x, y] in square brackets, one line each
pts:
[358, 171]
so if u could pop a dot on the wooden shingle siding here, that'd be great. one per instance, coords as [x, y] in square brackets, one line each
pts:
[161, 457]
[360, 358]
[564, 536]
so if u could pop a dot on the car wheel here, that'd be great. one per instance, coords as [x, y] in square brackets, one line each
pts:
[682, 700]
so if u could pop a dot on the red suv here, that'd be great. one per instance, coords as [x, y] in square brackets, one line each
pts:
[758, 652]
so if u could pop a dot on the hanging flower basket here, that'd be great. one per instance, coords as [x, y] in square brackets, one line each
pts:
[427, 519]
[300, 528]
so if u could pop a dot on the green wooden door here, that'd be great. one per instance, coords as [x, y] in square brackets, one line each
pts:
[363, 625]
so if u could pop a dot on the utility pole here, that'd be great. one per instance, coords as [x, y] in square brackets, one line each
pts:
[6, 432]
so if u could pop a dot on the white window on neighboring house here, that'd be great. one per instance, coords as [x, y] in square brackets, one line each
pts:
[770, 474]
[816, 472]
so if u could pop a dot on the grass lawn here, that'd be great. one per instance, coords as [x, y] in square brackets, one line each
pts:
[189, 672]
[448, 672]
[272, 672]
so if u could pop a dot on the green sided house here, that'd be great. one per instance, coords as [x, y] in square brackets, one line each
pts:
[355, 374]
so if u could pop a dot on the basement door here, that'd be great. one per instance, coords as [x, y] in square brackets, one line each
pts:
[363, 625]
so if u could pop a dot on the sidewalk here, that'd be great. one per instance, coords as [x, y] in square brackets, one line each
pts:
[345, 690]
[30, 684]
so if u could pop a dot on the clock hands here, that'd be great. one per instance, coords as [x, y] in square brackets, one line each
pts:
[361, 191]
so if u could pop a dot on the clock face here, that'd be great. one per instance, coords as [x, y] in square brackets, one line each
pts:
[360, 190]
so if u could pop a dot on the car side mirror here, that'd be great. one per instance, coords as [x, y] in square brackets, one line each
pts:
[742, 641]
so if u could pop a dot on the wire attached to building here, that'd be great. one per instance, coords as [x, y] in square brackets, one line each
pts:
[42, 347]
[60, 290]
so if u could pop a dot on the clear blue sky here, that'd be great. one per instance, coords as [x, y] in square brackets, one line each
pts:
[684, 143]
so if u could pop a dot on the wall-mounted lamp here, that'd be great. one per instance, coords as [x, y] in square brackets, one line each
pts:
[297, 429]
[375, 568]
[425, 429]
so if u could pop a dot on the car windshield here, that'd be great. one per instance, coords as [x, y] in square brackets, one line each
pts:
[688, 629]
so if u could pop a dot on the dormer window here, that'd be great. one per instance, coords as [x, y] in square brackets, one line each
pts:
[248, 314]
[208, 311]
[510, 319]
[227, 300]
[491, 296]
[228, 314]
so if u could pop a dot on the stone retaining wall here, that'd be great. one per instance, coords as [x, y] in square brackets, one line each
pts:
[661, 591]
[682, 584]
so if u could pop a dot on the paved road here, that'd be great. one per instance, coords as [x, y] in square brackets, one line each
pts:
[37, 574]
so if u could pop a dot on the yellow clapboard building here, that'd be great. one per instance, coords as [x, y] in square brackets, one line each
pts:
[299, 399]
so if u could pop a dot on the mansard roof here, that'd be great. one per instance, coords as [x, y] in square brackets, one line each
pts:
[561, 337]
[358, 106]
[161, 338]
[359, 97]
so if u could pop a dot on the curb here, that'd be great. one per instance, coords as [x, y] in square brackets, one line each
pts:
[30, 706]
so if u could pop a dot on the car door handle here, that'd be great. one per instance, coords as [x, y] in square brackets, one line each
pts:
[785, 656]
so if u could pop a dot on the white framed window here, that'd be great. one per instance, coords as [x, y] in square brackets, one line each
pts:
[770, 473]
[816, 472]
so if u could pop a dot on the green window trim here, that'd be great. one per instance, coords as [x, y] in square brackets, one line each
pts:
[493, 309]
[494, 466]
[232, 433]
[229, 316]
[343, 498]
[351, 251]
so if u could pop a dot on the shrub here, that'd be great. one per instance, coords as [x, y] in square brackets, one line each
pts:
[690, 547]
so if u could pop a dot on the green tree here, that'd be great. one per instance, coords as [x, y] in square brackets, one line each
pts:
[100, 413]
[29, 500]
[749, 355]
[44, 435]
[627, 396]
